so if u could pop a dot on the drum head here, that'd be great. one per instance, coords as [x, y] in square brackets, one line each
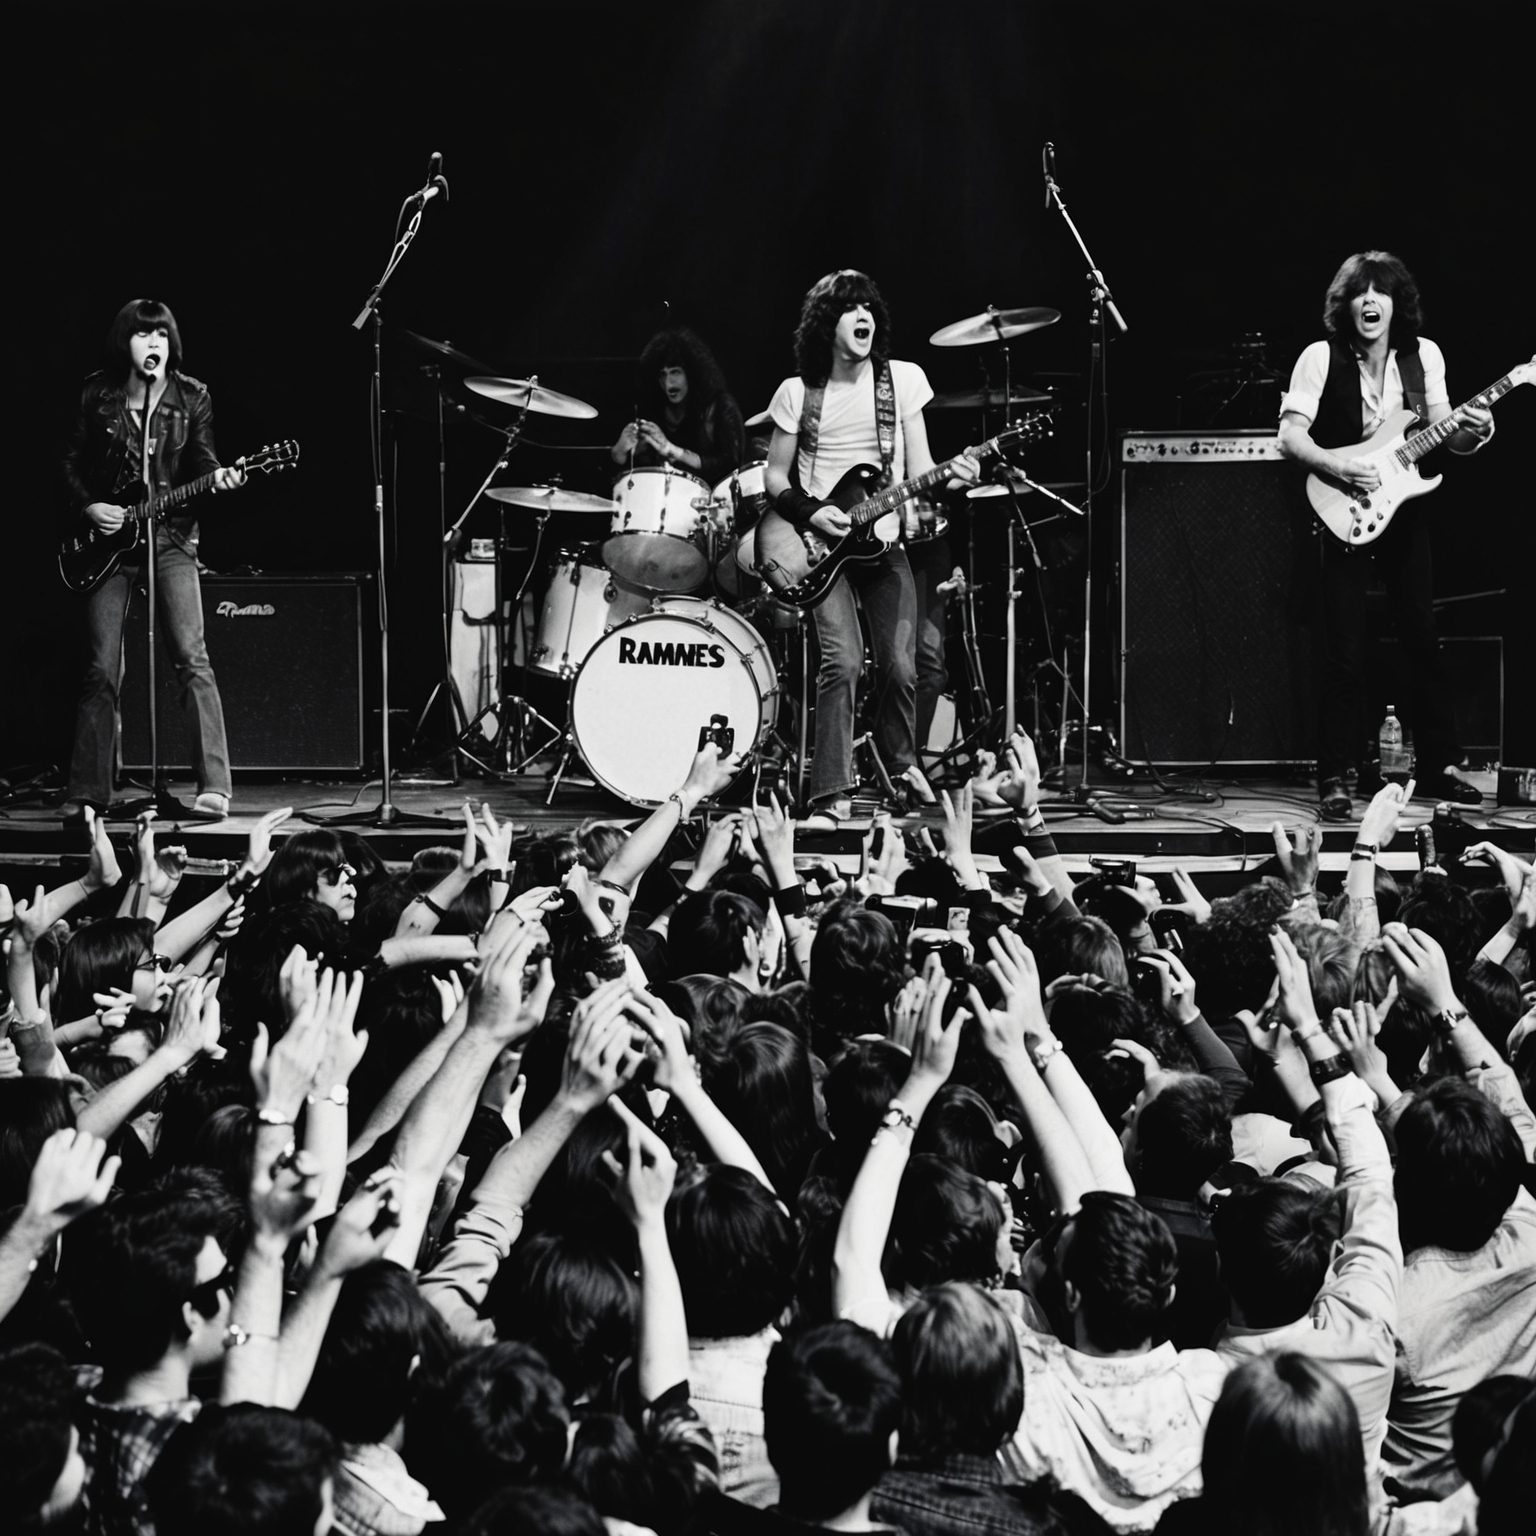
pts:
[643, 694]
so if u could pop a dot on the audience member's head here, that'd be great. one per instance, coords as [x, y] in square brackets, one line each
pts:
[961, 1376]
[1117, 1264]
[1275, 1238]
[715, 933]
[1283, 1453]
[1181, 1138]
[948, 1225]
[41, 1471]
[831, 1414]
[534, 1511]
[244, 1471]
[735, 1252]
[1459, 1167]
[856, 969]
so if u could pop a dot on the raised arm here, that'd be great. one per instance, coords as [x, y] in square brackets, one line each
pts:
[866, 1218]
[708, 776]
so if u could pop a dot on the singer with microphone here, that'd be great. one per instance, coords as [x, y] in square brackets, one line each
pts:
[102, 462]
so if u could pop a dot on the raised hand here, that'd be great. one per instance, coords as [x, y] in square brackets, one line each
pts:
[600, 1057]
[1295, 1000]
[103, 871]
[496, 1001]
[192, 1029]
[936, 1045]
[258, 845]
[336, 1003]
[1423, 974]
[643, 1182]
[1512, 871]
[776, 838]
[907, 1012]
[296, 981]
[1014, 969]
[1175, 984]
[364, 1227]
[674, 1066]
[1019, 784]
[710, 772]
[1298, 856]
[1379, 823]
[716, 846]
[1355, 1034]
[284, 1073]
[1190, 899]
[72, 1175]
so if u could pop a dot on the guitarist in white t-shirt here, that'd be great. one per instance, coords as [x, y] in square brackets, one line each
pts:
[825, 422]
[1373, 363]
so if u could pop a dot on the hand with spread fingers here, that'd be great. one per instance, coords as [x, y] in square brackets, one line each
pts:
[1423, 973]
[643, 1182]
[1299, 855]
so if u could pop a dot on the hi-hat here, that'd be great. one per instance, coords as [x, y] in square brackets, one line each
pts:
[443, 349]
[549, 498]
[527, 395]
[989, 399]
[994, 325]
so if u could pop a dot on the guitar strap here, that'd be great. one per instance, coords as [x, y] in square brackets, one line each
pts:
[885, 423]
[1410, 368]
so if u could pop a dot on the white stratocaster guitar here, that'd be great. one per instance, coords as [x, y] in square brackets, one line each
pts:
[1359, 517]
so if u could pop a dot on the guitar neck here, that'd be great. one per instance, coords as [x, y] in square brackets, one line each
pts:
[173, 497]
[1420, 443]
[893, 496]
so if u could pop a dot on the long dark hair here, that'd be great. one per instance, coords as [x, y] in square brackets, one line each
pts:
[679, 348]
[829, 299]
[1388, 275]
[139, 315]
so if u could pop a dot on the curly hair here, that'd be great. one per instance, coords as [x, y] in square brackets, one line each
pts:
[1383, 271]
[1123, 1261]
[679, 348]
[828, 301]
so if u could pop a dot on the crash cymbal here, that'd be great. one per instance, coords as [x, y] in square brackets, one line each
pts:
[529, 395]
[994, 325]
[549, 498]
[988, 399]
[443, 349]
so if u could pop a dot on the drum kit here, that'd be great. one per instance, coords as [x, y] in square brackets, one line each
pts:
[661, 626]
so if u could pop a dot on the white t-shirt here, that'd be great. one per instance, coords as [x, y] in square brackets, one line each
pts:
[847, 434]
[1311, 372]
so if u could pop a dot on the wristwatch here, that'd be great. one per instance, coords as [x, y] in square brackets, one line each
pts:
[1448, 1018]
[897, 1115]
[1041, 1055]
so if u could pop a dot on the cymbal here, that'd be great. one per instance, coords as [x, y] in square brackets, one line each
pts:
[758, 420]
[549, 498]
[997, 488]
[994, 325]
[443, 349]
[989, 399]
[531, 396]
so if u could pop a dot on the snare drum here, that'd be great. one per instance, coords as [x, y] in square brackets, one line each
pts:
[656, 536]
[582, 601]
[648, 686]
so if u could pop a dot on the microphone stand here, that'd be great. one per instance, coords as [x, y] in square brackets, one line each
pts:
[1101, 303]
[159, 799]
[386, 813]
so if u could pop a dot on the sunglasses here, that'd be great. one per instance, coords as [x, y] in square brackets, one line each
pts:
[340, 873]
[155, 963]
[205, 1297]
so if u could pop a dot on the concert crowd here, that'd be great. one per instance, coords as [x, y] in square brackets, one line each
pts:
[671, 1179]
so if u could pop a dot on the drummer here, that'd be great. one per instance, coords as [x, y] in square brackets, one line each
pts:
[687, 417]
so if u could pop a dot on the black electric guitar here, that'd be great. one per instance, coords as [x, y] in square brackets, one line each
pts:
[88, 557]
[801, 567]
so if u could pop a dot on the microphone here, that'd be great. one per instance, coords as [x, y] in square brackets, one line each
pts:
[436, 182]
[1048, 169]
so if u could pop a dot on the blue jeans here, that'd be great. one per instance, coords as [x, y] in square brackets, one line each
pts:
[889, 599]
[181, 623]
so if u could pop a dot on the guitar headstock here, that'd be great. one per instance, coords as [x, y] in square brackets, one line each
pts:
[1524, 374]
[271, 456]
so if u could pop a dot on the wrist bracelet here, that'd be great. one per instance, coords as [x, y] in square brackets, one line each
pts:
[1362, 858]
[682, 810]
[339, 1095]
[1448, 1018]
[1330, 1068]
[431, 905]
[1369, 848]
[235, 1336]
[612, 885]
[791, 900]
[1043, 1052]
[240, 885]
[269, 1116]
[1310, 894]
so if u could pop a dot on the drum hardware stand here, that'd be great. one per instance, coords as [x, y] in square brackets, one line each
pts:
[1101, 303]
[979, 712]
[386, 813]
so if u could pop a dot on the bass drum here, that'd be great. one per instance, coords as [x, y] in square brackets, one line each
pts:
[649, 686]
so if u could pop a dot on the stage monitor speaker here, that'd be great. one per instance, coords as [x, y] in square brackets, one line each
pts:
[288, 654]
[1215, 644]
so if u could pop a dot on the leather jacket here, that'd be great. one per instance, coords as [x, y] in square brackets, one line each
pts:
[101, 457]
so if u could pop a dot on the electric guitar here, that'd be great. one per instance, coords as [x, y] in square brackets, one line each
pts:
[801, 567]
[88, 557]
[1360, 517]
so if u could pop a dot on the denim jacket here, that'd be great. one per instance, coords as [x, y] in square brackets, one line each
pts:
[965, 1495]
[725, 1378]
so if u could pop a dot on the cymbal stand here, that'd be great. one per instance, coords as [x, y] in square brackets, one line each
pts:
[978, 706]
[1101, 304]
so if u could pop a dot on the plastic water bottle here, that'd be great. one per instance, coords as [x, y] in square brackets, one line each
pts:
[1395, 761]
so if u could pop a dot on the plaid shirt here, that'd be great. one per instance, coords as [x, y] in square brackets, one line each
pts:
[120, 1445]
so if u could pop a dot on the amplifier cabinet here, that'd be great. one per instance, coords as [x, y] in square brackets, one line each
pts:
[287, 651]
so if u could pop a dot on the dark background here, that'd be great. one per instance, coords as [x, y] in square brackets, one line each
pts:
[614, 167]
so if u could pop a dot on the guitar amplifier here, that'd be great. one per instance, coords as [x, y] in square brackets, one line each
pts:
[287, 651]
[1215, 591]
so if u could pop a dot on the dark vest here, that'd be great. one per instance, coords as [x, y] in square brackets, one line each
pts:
[1338, 411]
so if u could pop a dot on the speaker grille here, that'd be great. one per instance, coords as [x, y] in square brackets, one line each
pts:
[1215, 603]
[287, 652]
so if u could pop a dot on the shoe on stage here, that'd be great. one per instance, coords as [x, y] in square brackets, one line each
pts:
[1333, 800]
[210, 806]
